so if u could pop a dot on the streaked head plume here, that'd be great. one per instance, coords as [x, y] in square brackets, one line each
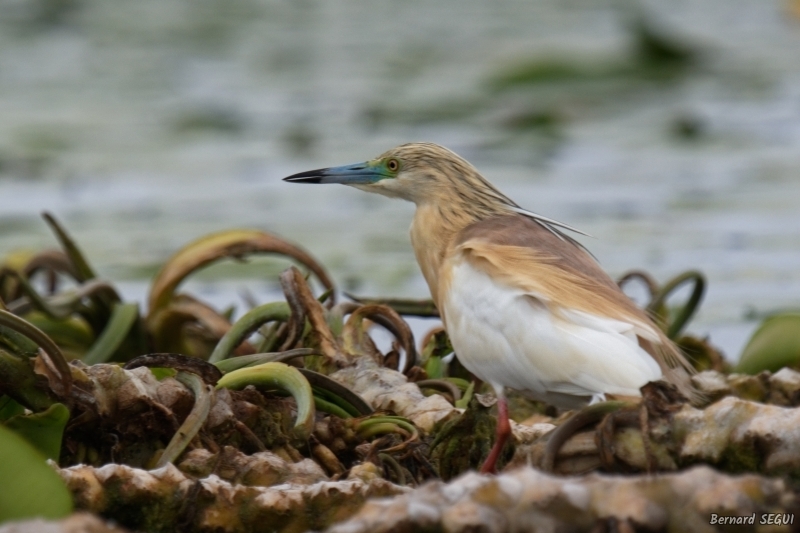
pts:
[432, 173]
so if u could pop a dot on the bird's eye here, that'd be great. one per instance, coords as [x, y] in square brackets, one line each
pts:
[393, 165]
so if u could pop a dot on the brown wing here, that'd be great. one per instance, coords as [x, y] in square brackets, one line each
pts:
[530, 256]
[521, 253]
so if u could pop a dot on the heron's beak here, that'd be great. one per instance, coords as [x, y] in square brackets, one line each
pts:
[358, 174]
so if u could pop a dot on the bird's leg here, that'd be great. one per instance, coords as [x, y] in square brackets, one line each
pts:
[503, 432]
[597, 398]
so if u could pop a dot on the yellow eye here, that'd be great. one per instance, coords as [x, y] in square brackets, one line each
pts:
[393, 165]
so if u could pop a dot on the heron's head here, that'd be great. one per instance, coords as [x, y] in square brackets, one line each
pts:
[417, 172]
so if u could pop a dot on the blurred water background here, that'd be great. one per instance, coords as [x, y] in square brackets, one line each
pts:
[669, 130]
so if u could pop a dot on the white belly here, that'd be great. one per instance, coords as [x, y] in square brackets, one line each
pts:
[512, 339]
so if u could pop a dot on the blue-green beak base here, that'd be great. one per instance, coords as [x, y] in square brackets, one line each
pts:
[358, 174]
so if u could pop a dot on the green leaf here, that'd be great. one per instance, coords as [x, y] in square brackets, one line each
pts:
[72, 334]
[37, 491]
[42, 430]
[250, 322]
[464, 401]
[774, 345]
[9, 407]
[83, 270]
[23, 327]
[123, 317]
[162, 373]
[20, 382]
[330, 408]
[282, 377]
[194, 421]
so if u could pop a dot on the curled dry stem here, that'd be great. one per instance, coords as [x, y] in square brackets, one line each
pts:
[52, 261]
[203, 395]
[423, 308]
[242, 361]
[50, 349]
[297, 319]
[61, 305]
[382, 424]
[558, 436]
[315, 313]
[604, 435]
[442, 385]
[394, 466]
[217, 246]
[689, 307]
[30, 299]
[93, 288]
[430, 336]
[167, 325]
[389, 319]
[644, 277]
[208, 372]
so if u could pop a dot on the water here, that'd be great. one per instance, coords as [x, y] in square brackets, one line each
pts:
[145, 125]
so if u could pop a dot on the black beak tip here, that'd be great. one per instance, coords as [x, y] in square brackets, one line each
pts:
[311, 176]
[296, 179]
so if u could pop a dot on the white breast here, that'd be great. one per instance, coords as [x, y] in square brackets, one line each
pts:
[515, 339]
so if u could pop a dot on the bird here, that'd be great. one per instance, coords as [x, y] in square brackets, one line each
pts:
[524, 304]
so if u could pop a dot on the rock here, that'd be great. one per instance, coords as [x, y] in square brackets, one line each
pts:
[75, 523]
[160, 500]
[528, 500]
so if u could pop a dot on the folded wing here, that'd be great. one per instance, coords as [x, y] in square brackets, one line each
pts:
[537, 313]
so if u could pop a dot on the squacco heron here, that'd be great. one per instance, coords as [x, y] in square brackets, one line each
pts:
[524, 304]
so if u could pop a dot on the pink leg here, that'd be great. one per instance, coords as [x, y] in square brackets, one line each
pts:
[503, 432]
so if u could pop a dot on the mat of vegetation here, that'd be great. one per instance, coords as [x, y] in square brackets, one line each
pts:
[291, 419]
